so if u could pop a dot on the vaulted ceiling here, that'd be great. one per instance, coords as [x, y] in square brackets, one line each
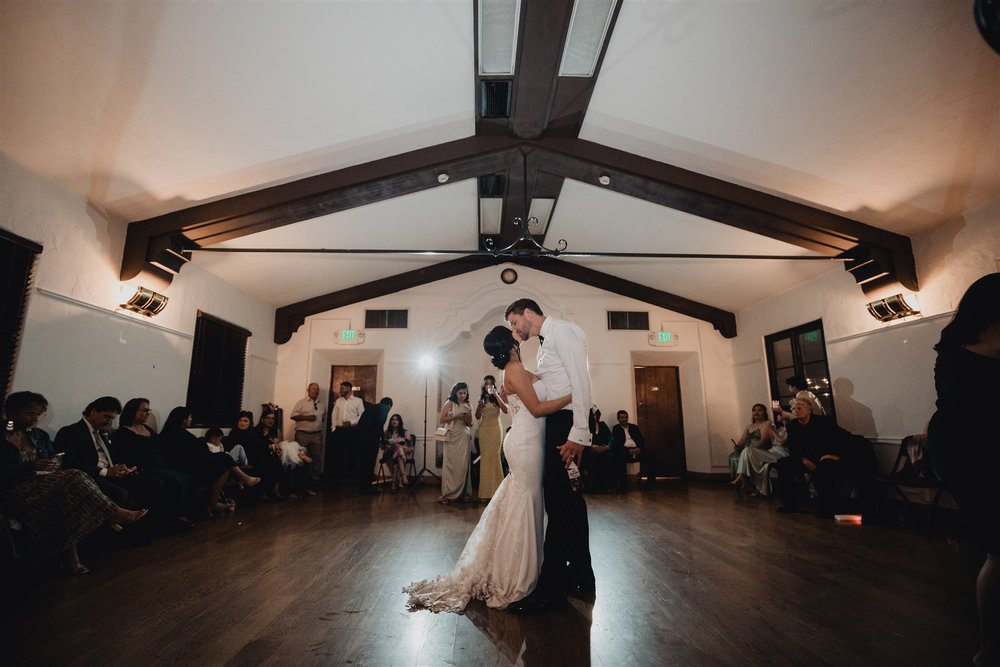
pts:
[304, 151]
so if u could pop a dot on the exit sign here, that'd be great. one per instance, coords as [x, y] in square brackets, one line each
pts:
[662, 338]
[349, 336]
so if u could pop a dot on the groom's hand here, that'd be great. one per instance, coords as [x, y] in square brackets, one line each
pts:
[571, 451]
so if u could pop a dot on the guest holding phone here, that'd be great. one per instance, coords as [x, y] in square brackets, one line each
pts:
[488, 412]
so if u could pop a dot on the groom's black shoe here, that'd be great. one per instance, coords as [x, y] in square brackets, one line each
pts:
[536, 602]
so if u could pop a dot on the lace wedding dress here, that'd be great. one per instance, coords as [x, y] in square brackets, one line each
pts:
[501, 560]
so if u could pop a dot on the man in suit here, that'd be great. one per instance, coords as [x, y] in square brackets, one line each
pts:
[628, 438]
[563, 369]
[86, 446]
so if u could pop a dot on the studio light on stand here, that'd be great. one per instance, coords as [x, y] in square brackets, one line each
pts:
[426, 365]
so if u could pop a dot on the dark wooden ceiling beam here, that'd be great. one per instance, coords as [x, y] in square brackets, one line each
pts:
[723, 320]
[808, 227]
[287, 319]
[316, 196]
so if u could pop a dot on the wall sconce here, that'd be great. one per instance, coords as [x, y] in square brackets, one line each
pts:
[891, 308]
[145, 302]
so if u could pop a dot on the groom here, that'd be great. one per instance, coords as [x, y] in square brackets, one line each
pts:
[562, 368]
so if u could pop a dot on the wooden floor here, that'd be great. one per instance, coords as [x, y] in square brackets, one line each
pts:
[688, 574]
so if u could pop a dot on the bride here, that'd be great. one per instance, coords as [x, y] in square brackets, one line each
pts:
[501, 560]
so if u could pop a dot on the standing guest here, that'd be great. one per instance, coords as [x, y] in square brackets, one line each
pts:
[59, 507]
[346, 412]
[212, 469]
[755, 451]
[563, 368]
[490, 437]
[456, 416]
[368, 441]
[602, 465]
[400, 446]
[799, 388]
[964, 444]
[308, 414]
[136, 444]
[630, 438]
[87, 448]
[263, 455]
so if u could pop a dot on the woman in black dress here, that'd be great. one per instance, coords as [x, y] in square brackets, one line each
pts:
[185, 451]
[965, 443]
[135, 443]
[261, 453]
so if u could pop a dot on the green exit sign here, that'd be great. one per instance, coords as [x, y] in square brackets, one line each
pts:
[663, 336]
[348, 334]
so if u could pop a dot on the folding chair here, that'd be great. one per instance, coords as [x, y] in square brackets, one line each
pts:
[913, 470]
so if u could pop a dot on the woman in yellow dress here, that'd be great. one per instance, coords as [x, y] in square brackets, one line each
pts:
[490, 436]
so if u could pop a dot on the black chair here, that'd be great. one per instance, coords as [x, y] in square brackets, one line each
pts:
[913, 470]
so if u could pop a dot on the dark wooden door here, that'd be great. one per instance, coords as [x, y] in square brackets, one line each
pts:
[659, 416]
[364, 379]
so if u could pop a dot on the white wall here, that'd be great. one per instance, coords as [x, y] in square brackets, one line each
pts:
[448, 320]
[882, 374]
[78, 345]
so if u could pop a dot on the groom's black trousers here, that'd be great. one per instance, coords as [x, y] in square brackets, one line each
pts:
[567, 536]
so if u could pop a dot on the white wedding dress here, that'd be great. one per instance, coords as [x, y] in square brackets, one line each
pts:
[501, 561]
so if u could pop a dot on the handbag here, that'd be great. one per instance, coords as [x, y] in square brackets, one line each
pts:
[441, 434]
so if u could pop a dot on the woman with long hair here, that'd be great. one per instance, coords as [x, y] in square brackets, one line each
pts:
[185, 451]
[754, 452]
[58, 507]
[488, 412]
[135, 443]
[963, 440]
[456, 416]
[400, 448]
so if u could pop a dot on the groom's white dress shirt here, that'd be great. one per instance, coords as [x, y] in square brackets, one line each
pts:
[563, 369]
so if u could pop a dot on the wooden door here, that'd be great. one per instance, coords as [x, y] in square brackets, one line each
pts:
[659, 417]
[364, 379]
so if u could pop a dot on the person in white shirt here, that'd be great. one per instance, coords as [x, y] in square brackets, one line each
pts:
[346, 412]
[564, 369]
[308, 415]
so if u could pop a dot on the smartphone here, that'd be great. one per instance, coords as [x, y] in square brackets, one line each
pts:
[490, 390]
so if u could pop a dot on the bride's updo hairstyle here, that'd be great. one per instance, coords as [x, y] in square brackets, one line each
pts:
[498, 344]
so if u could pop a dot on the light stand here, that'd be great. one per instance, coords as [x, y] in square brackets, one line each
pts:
[420, 475]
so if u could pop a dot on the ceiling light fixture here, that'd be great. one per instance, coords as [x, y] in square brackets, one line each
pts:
[443, 177]
[604, 179]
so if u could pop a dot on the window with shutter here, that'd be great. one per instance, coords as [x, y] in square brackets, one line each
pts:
[218, 369]
[17, 270]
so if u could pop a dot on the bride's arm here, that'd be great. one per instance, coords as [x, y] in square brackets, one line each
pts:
[520, 382]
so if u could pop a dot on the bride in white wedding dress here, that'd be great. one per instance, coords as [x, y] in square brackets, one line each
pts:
[501, 561]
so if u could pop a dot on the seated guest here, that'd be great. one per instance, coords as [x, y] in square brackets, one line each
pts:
[629, 437]
[755, 451]
[86, 447]
[263, 455]
[213, 442]
[293, 483]
[184, 451]
[368, 440]
[136, 444]
[602, 467]
[815, 446]
[58, 507]
[399, 448]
